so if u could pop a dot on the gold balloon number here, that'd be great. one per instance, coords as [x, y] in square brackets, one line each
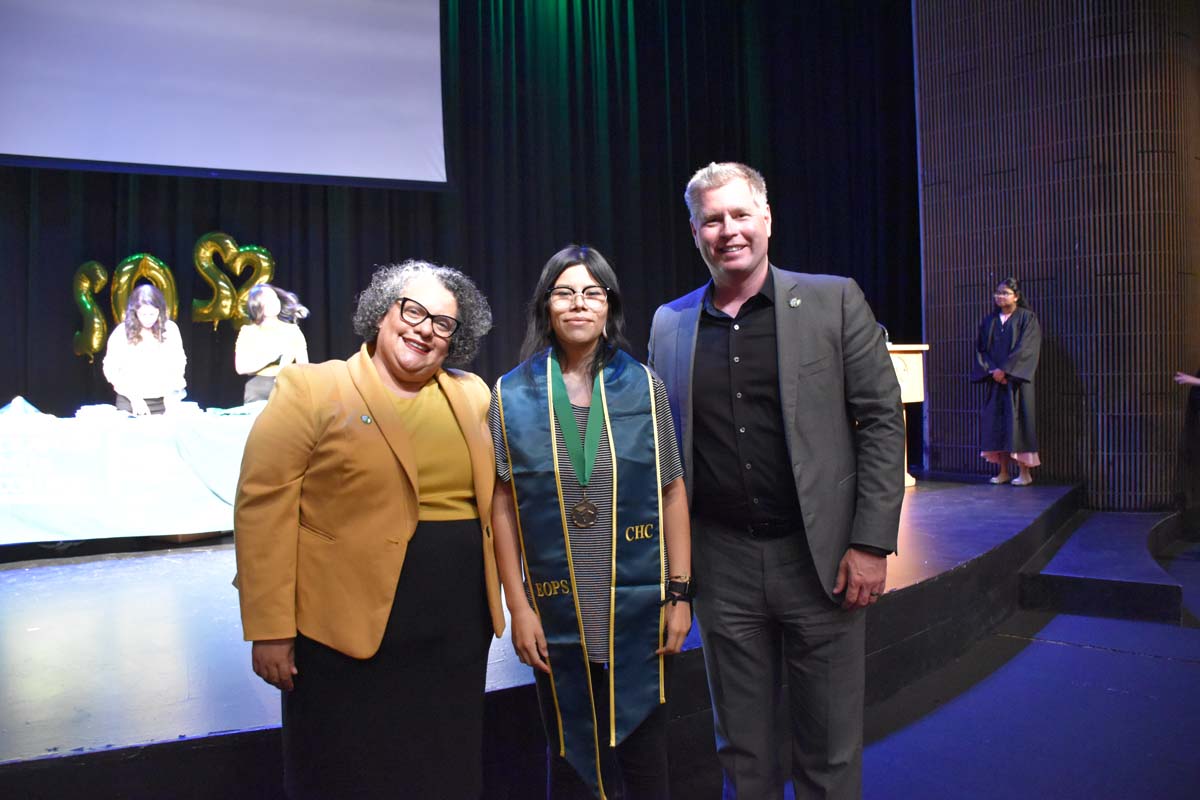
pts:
[220, 305]
[262, 269]
[226, 301]
[89, 280]
[137, 267]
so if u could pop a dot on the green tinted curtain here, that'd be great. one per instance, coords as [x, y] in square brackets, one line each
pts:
[566, 121]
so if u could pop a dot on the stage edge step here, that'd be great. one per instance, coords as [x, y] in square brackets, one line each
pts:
[1104, 567]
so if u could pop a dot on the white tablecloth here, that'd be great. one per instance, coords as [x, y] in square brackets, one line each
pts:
[103, 474]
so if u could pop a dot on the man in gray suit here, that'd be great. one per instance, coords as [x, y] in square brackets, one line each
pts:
[792, 433]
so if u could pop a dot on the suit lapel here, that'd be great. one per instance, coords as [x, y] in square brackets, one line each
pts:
[686, 330]
[383, 412]
[791, 321]
[483, 465]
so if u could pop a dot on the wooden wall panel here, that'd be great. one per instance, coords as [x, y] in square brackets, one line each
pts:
[1060, 144]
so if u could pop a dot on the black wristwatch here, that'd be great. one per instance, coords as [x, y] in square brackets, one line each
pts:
[680, 589]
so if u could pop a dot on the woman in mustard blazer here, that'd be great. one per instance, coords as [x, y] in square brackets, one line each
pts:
[366, 572]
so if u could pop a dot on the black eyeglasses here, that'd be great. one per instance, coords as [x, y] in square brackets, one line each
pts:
[414, 314]
[593, 296]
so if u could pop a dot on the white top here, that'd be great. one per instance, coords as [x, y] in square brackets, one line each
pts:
[149, 368]
[266, 348]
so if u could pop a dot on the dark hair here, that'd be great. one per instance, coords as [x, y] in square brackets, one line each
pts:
[387, 286]
[1012, 284]
[145, 294]
[539, 333]
[290, 309]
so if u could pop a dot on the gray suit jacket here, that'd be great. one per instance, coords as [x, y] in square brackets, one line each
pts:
[841, 408]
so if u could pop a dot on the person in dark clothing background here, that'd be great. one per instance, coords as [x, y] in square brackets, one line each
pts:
[1188, 481]
[1006, 358]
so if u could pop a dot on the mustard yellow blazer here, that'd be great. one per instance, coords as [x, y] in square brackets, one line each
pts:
[327, 503]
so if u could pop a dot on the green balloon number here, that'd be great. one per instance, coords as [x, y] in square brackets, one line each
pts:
[142, 266]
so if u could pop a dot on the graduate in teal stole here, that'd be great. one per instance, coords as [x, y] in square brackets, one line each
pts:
[635, 672]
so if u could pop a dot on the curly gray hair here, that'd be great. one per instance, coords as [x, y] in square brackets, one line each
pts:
[715, 175]
[387, 286]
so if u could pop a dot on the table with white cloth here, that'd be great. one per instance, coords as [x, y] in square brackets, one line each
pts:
[104, 474]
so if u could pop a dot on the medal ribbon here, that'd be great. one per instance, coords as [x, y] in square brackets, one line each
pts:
[582, 450]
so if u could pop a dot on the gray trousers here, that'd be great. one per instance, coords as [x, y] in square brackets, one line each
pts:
[764, 618]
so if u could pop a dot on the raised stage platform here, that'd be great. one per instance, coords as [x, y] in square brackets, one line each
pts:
[125, 675]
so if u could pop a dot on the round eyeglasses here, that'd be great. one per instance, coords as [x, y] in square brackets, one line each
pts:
[414, 314]
[564, 296]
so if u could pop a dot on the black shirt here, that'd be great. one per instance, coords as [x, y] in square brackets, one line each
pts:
[743, 472]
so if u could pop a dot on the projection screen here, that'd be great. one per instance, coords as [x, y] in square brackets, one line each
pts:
[343, 91]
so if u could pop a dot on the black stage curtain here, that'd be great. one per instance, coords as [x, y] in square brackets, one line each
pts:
[569, 121]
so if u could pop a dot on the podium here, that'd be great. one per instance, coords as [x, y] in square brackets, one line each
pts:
[909, 362]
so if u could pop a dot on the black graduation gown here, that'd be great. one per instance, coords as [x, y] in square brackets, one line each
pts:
[1188, 482]
[1007, 421]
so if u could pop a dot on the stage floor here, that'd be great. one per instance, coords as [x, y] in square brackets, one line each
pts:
[119, 650]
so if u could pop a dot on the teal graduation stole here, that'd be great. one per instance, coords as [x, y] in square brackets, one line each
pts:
[527, 400]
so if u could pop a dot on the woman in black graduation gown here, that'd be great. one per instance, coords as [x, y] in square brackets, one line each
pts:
[1187, 485]
[1006, 358]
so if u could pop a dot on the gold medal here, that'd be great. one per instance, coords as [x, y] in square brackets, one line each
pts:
[583, 513]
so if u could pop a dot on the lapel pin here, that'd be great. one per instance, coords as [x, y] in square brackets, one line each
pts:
[366, 418]
[794, 302]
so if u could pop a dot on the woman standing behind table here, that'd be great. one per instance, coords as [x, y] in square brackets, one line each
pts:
[366, 573]
[1006, 358]
[144, 360]
[591, 502]
[272, 340]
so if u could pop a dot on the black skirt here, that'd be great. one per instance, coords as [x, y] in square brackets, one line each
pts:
[258, 387]
[407, 722]
[155, 404]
